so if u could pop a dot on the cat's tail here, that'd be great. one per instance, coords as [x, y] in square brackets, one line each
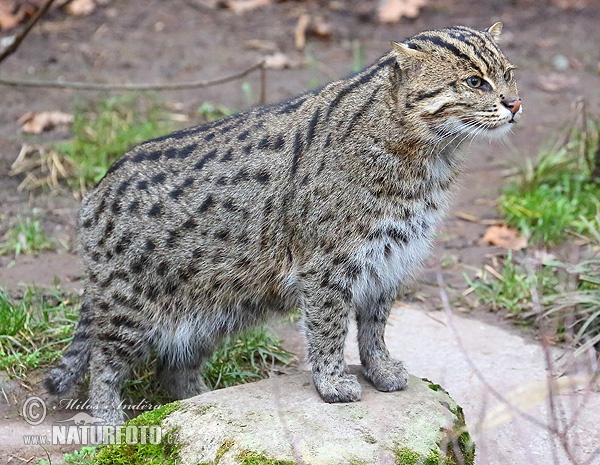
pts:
[75, 360]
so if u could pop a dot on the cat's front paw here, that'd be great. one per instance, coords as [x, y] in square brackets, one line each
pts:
[338, 388]
[387, 375]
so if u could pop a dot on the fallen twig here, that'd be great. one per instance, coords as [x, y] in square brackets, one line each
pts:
[130, 86]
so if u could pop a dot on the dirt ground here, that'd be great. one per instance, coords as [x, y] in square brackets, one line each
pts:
[182, 40]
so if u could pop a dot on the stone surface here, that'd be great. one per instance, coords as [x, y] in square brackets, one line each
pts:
[284, 419]
[470, 357]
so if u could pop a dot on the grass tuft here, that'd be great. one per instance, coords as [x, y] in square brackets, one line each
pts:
[509, 286]
[26, 237]
[104, 131]
[557, 193]
[248, 358]
[34, 329]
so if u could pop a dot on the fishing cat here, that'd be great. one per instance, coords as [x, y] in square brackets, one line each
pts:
[327, 202]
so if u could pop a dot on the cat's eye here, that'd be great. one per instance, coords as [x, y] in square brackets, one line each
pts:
[475, 82]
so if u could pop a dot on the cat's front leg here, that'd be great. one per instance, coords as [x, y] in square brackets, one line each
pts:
[385, 372]
[326, 315]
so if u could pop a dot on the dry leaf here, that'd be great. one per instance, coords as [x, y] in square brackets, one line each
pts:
[81, 7]
[503, 236]
[320, 27]
[541, 257]
[243, 6]
[35, 123]
[279, 60]
[12, 14]
[390, 11]
[258, 44]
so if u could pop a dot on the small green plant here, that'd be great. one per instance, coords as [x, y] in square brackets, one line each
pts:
[212, 112]
[511, 286]
[104, 131]
[34, 329]
[579, 305]
[358, 56]
[557, 193]
[580, 308]
[250, 357]
[26, 237]
[85, 456]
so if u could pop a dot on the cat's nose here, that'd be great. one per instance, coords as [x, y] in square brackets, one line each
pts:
[513, 105]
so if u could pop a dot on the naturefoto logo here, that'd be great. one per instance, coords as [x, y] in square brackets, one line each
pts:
[85, 429]
[82, 418]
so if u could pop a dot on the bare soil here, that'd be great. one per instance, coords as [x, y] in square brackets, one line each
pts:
[181, 40]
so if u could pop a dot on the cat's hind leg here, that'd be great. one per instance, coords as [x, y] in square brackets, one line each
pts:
[181, 380]
[118, 345]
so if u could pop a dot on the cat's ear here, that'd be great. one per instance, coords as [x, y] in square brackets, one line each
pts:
[494, 30]
[405, 52]
[408, 61]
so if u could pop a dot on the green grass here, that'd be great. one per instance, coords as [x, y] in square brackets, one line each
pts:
[212, 111]
[566, 296]
[249, 357]
[26, 237]
[34, 329]
[555, 195]
[105, 130]
[510, 287]
[578, 307]
[553, 201]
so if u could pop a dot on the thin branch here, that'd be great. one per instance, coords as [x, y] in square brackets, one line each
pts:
[491, 389]
[14, 45]
[131, 86]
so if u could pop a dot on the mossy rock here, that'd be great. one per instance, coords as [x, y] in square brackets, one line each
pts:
[160, 449]
[282, 421]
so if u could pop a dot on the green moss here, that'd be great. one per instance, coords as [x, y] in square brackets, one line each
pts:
[252, 458]
[433, 386]
[165, 452]
[460, 447]
[155, 417]
[405, 456]
[457, 448]
[221, 451]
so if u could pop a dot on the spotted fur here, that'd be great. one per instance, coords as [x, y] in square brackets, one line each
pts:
[327, 202]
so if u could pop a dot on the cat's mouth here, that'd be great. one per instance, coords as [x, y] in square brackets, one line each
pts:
[499, 130]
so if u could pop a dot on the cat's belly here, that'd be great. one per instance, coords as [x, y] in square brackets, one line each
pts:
[392, 255]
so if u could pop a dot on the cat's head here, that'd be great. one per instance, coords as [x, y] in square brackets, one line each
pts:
[456, 83]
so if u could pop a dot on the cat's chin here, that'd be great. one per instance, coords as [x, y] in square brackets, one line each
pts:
[498, 132]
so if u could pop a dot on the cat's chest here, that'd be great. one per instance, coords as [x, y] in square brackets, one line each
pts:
[394, 248]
